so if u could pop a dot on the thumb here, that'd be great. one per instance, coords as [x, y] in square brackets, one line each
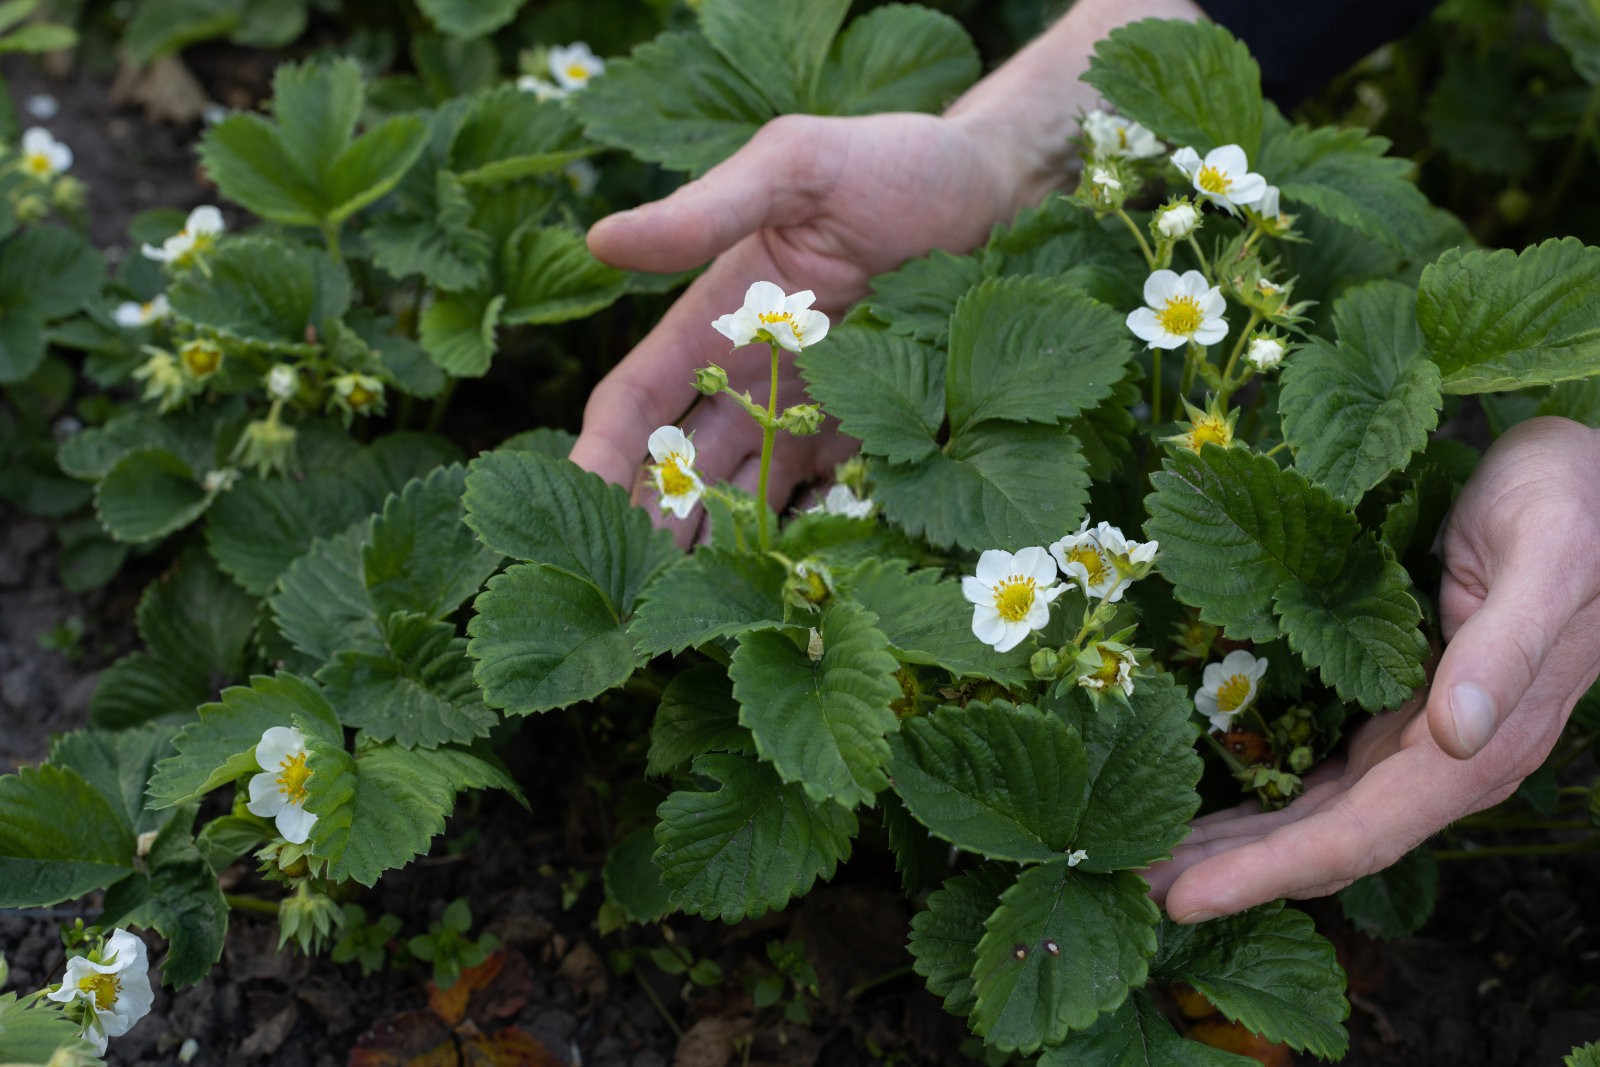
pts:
[772, 181]
[1498, 651]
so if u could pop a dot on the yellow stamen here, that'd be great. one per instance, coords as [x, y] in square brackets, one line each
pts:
[1110, 667]
[1210, 431]
[1013, 598]
[292, 775]
[1093, 562]
[103, 987]
[1213, 180]
[38, 164]
[201, 359]
[675, 480]
[1182, 316]
[577, 72]
[770, 317]
[360, 399]
[1233, 694]
[1122, 137]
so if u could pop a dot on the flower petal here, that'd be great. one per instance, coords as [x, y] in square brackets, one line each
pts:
[277, 744]
[665, 440]
[763, 296]
[1211, 331]
[994, 565]
[1160, 287]
[266, 799]
[976, 591]
[1230, 159]
[1145, 326]
[294, 823]
[1187, 160]
[1014, 633]
[988, 627]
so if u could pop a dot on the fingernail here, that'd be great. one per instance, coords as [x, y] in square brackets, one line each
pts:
[1472, 711]
[1196, 917]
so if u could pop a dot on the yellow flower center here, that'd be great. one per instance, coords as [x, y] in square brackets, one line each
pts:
[1110, 666]
[292, 775]
[577, 72]
[1213, 180]
[770, 317]
[1233, 694]
[201, 359]
[1181, 316]
[1093, 562]
[1210, 431]
[38, 164]
[1013, 598]
[1122, 137]
[360, 399]
[675, 481]
[103, 988]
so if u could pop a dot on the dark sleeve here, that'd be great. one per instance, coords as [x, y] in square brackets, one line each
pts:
[1301, 45]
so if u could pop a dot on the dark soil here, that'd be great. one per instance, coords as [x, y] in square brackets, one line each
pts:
[1507, 972]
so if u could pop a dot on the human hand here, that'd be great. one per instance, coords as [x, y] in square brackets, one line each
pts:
[1520, 610]
[809, 203]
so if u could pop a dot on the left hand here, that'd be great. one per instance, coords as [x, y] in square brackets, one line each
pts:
[1520, 610]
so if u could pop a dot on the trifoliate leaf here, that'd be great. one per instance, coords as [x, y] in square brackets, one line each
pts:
[1136, 1035]
[821, 723]
[697, 714]
[1266, 968]
[900, 57]
[779, 46]
[264, 292]
[1506, 320]
[1396, 901]
[1190, 82]
[710, 594]
[1103, 930]
[1030, 350]
[887, 391]
[749, 846]
[148, 495]
[551, 277]
[458, 332]
[417, 692]
[420, 556]
[928, 621]
[1575, 24]
[1355, 411]
[544, 510]
[674, 101]
[945, 935]
[1003, 781]
[469, 18]
[544, 638]
[220, 746]
[1143, 771]
[994, 484]
[633, 880]
[176, 895]
[389, 805]
[917, 298]
[59, 838]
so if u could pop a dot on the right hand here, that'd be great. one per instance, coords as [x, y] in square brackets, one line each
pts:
[809, 203]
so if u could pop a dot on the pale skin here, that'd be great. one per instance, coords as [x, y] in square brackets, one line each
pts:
[826, 203]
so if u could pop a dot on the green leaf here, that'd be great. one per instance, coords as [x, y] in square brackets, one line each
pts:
[899, 57]
[928, 621]
[824, 723]
[322, 606]
[1241, 539]
[749, 846]
[711, 594]
[418, 692]
[509, 134]
[140, 687]
[544, 638]
[388, 805]
[176, 895]
[887, 391]
[633, 880]
[945, 935]
[1136, 1035]
[93, 451]
[1267, 969]
[917, 298]
[21, 345]
[436, 240]
[1396, 901]
[551, 277]
[1104, 928]
[1003, 781]
[469, 18]
[1030, 350]
[994, 484]
[1143, 771]
[458, 332]
[1503, 320]
[247, 158]
[420, 555]
[779, 46]
[1478, 116]
[1062, 239]
[1575, 24]
[271, 26]
[32, 1031]
[544, 510]
[697, 714]
[1583, 1056]
[372, 165]
[674, 101]
[264, 293]
[1355, 411]
[1190, 82]
[59, 838]
[160, 28]
[148, 495]
[221, 745]
[39, 37]
[71, 264]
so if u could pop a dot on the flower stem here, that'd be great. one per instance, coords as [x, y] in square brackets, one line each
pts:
[1144, 246]
[330, 236]
[1155, 386]
[1205, 264]
[768, 431]
[242, 902]
[1228, 384]
[1275, 449]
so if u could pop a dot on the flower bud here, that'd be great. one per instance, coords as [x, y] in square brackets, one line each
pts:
[710, 379]
[220, 480]
[69, 194]
[1178, 221]
[30, 207]
[282, 381]
[801, 420]
[1045, 664]
[267, 445]
[810, 584]
[1264, 353]
[200, 358]
[1300, 759]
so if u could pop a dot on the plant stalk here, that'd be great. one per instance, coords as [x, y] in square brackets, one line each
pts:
[1144, 246]
[768, 432]
[243, 902]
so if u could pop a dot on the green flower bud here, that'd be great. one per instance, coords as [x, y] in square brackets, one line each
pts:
[268, 446]
[710, 379]
[1045, 664]
[69, 194]
[1301, 759]
[801, 420]
[30, 207]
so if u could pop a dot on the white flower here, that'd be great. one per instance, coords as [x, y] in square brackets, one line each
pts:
[282, 381]
[1011, 595]
[1102, 561]
[279, 793]
[842, 500]
[1182, 308]
[1264, 353]
[1177, 221]
[220, 480]
[131, 315]
[1108, 665]
[42, 155]
[118, 990]
[199, 233]
[1223, 177]
[769, 315]
[539, 87]
[1076, 856]
[1267, 206]
[582, 175]
[42, 106]
[679, 485]
[1113, 135]
[357, 393]
[573, 65]
[1104, 179]
[1229, 687]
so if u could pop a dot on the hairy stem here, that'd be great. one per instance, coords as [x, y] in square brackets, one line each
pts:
[768, 431]
[1144, 246]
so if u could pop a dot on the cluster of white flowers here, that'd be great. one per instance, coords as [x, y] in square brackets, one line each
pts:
[572, 67]
[1229, 687]
[116, 988]
[1180, 308]
[769, 314]
[198, 235]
